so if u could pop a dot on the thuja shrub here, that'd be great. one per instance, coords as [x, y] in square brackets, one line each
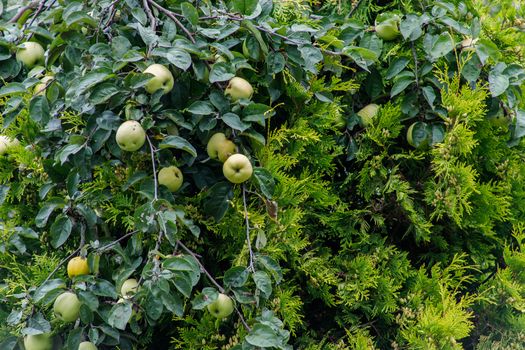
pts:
[261, 175]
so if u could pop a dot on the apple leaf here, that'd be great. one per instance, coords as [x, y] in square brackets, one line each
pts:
[178, 143]
[37, 324]
[265, 181]
[205, 298]
[263, 283]
[119, 315]
[263, 336]
[60, 230]
[236, 276]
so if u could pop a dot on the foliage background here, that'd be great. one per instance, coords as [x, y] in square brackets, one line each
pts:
[359, 240]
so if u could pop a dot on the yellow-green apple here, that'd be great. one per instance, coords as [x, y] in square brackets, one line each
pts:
[387, 26]
[162, 79]
[129, 288]
[77, 266]
[237, 168]
[222, 307]
[67, 307]
[38, 342]
[40, 88]
[30, 54]
[87, 345]
[239, 88]
[219, 147]
[7, 143]
[367, 113]
[171, 177]
[130, 136]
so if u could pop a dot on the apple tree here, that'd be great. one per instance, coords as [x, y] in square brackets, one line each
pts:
[258, 174]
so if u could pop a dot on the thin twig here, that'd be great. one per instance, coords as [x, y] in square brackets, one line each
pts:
[62, 262]
[152, 19]
[38, 10]
[152, 151]
[174, 18]
[414, 54]
[251, 266]
[213, 281]
[23, 10]
[109, 245]
[354, 9]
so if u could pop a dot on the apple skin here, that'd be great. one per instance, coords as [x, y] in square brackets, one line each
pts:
[6, 143]
[237, 168]
[38, 342]
[129, 288]
[367, 113]
[87, 345]
[171, 177]
[163, 79]
[222, 307]
[130, 136]
[67, 307]
[77, 266]
[30, 54]
[239, 88]
[40, 88]
[387, 30]
[219, 147]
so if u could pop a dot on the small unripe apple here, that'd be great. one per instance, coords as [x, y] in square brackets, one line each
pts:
[171, 177]
[30, 54]
[6, 143]
[367, 113]
[129, 288]
[130, 136]
[67, 307]
[38, 342]
[87, 345]
[77, 266]
[237, 168]
[222, 307]
[162, 79]
[418, 135]
[40, 88]
[239, 88]
[387, 26]
[219, 147]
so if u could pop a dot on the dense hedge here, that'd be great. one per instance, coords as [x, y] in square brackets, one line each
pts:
[387, 200]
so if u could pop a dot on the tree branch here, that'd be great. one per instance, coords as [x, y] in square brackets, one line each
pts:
[152, 151]
[109, 245]
[62, 262]
[174, 18]
[22, 10]
[251, 266]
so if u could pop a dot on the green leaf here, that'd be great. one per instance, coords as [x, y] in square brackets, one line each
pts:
[4, 190]
[246, 7]
[236, 276]
[103, 92]
[48, 287]
[179, 58]
[265, 181]
[400, 85]
[397, 65]
[263, 283]
[178, 143]
[217, 199]
[234, 122]
[263, 336]
[46, 210]
[60, 230]
[190, 13]
[441, 46]
[37, 324]
[104, 288]
[39, 109]
[205, 298]
[498, 82]
[173, 303]
[201, 108]
[120, 314]
[74, 338]
[13, 89]
[221, 71]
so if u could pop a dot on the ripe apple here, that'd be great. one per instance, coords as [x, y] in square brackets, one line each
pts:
[237, 168]
[67, 307]
[171, 177]
[130, 136]
[40, 88]
[129, 288]
[30, 54]
[222, 307]
[77, 266]
[239, 88]
[219, 147]
[162, 79]
[87, 345]
[387, 26]
[367, 113]
[38, 342]
[6, 143]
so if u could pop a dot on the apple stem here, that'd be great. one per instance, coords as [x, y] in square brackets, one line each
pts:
[251, 266]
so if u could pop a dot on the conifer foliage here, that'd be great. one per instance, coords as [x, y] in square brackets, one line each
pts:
[258, 174]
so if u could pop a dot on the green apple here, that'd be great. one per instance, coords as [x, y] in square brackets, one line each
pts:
[30, 54]
[162, 79]
[129, 288]
[219, 147]
[38, 342]
[222, 307]
[387, 26]
[367, 113]
[130, 136]
[171, 177]
[239, 88]
[67, 307]
[7, 143]
[40, 88]
[237, 168]
[87, 345]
